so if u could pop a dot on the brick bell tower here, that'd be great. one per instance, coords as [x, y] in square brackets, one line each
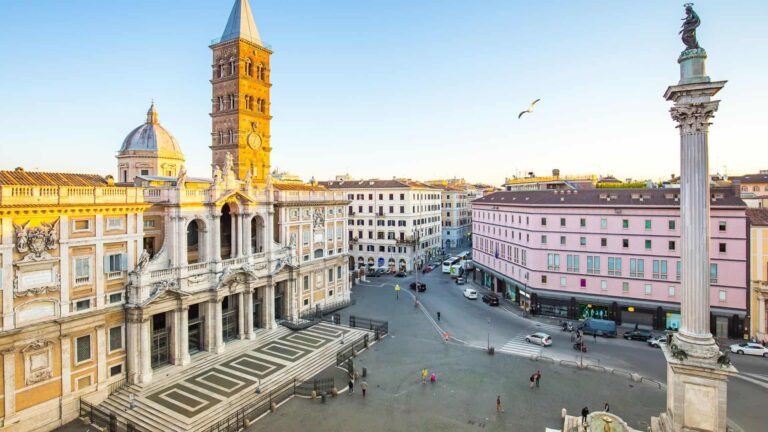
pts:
[240, 104]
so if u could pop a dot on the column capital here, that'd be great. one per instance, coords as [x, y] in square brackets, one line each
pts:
[7, 350]
[694, 117]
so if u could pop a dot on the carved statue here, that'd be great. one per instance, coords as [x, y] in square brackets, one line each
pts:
[217, 175]
[690, 23]
[141, 265]
[181, 179]
[50, 236]
[229, 164]
[22, 239]
[248, 180]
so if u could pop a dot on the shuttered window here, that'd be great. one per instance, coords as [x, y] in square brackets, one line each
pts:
[83, 348]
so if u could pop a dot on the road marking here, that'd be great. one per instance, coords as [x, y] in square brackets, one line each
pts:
[759, 380]
[518, 346]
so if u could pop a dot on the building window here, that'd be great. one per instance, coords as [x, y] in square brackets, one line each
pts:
[583, 222]
[543, 239]
[115, 262]
[722, 226]
[562, 222]
[562, 240]
[562, 281]
[603, 223]
[648, 289]
[636, 267]
[614, 266]
[659, 269]
[671, 245]
[582, 241]
[625, 223]
[306, 302]
[647, 224]
[625, 243]
[679, 270]
[671, 224]
[593, 264]
[572, 262]
[330, 275]
[543, 279]
[603, 242]
[543, 221]
[306, 283]
[82, 270]
[83, 349]
[553, 262]
[115, 223]
[116, 370]
[149, 223]
[115, 338]
[713, 273]
[604, 285]
[583, 283]
[721, 295]
[625, 287]
[82, 305]
[80, 225]
[722, 247]
[671, 291]
[116, 297]
[647, 244]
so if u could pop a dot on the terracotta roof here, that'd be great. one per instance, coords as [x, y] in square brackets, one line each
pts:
[605, 198]
[758, 216]
[289, 186]
[37, 178]
[376, 184]
[750, 178]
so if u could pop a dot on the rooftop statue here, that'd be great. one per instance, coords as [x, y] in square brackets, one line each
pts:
[690, 23]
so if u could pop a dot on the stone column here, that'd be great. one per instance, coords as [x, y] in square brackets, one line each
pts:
[269, 307]
[145, 351]
[66, 365]
[181, 224]
[268, 227]
[215, 237]
[133, 346]
[234, 236]
[240, 316]
[238, 237]
[183, 331]
[247, 234]
[101, 356]
[9, 381]
[248, 306]
[761, 324]
[218, 337]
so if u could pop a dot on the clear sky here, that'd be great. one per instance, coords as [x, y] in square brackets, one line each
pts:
[381, 88]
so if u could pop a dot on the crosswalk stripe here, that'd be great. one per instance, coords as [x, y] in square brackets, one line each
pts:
[519, 346]
[760, 380]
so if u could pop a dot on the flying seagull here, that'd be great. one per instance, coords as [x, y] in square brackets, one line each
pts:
[529, 110]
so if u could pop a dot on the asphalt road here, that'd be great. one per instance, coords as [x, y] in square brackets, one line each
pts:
[474, 323]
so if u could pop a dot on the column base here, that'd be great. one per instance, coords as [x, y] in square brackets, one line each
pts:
[219, 349]
[250, 335]
[697, 396]
[700, 347]
[185, 360]
[145, 378]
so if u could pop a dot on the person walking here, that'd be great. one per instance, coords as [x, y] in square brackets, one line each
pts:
[424, 374]
[498, 404]
[438, 315]
[351, 387]
[364, 387]
[533, 380]
[607, 408]
[584, 414]
[594, 336]
[433, 378]
[538, 377]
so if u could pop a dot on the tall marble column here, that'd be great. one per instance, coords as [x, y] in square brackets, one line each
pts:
[269, 307]
[218, 336]
[247, 234]
[238, 237]
[101, 356]
[248, 306]
[240, 316]
[181, 224]
[696, 379]
[145, 340]
[9, 381]
[216, 237]
[183, 331]
[133, 346]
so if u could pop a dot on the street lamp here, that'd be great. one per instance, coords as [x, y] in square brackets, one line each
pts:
[416, 243]
[488, 347]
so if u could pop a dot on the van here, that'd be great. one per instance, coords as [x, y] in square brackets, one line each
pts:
[598, 327]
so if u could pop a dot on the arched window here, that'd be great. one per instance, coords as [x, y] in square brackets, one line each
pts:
[231, 136]
[259, 68]
[222, 71]
[247, 102]
[755, 188]
[221, 138]
[262, 73]
[257, 235]
[222, 106]
[194, 237]
[232, 67]
[744, 189]
[248, 67]
[263, 106]
[258, 104]
[232, 102]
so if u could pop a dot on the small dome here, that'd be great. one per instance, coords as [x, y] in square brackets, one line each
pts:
[151, 137]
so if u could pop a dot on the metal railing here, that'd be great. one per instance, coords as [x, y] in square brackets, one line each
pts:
[316, 385]
[380, 328]
[250, 412]
[351, 350]
[117, 386]
[105, 419]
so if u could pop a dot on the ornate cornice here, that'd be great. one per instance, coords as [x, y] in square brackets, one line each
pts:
[694, 117]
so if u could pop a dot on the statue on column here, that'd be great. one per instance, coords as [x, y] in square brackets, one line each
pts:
[229, 164]
[216, 175]
[690, 23]
[181, 179]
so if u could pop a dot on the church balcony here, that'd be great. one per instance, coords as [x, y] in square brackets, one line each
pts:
[68, 195]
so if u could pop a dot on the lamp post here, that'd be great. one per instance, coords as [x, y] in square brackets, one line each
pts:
[416, 243]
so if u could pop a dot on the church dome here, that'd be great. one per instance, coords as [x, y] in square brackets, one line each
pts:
[153, 138]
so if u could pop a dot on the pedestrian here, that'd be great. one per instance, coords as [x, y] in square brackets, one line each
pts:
[364, 387]
[445, 337]
[594, 335]
[607, 408]
[132, 399]
[538, 377]
[438, 315]
[498, 404]
[424, 374]
[351, 386]
[533, 380]
[584, 414]
[433, 378]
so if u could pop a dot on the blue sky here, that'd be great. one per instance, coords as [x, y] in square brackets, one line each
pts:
[374, 88]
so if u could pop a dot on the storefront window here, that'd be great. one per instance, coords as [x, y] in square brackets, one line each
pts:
[593, 311]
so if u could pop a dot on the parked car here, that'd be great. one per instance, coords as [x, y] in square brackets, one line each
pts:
[470, 293]
[638, 334]
[491, 299]
[599, 327]
[750, 348]
[657, 341]
[426, 269]
[539, 338]
[400, 274]
[419, 286]
[460, 281]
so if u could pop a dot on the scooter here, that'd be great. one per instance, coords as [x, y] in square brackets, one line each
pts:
[579, 346]
[567, 326]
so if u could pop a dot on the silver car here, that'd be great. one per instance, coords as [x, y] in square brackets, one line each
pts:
[749, 348]
[657, 341]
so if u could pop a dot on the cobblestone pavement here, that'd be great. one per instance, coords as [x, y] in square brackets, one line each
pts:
[468, 381]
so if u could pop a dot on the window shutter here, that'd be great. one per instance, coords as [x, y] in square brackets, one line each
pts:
[107, 267]
[123, 262]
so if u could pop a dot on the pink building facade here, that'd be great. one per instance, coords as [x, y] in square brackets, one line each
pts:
[610, 254]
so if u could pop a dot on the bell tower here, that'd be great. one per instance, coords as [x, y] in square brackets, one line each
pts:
[240, 104]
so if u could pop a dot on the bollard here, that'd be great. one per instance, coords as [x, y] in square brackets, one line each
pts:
[334, 392]
[314, 395]
[491, 350]
[365, 372]
[273, 407]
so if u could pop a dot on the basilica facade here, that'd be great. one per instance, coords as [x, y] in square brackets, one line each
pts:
[107, 279]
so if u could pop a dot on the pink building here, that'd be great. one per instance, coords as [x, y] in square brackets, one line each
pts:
[608, 253]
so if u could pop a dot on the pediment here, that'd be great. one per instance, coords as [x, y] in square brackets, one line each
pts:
[236, 196]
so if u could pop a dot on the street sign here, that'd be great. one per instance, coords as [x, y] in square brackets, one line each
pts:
[397, 287]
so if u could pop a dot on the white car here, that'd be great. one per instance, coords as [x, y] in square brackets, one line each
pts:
[539, 338]
[657, 341]
[470, 293]
[749, 348]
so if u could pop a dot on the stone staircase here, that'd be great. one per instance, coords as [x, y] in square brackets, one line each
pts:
[152, 417]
